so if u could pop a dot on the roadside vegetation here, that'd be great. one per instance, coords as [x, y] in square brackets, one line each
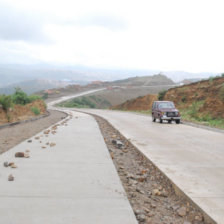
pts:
[161, 94]
[91, 101]
[19, 103]
[193, 114]
[35, 110]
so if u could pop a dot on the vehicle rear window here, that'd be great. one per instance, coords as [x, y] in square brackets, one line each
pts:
[166, 105]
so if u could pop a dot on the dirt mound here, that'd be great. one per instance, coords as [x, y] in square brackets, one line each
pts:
[144, 81]
[209, 94]
[21, 112]
[140, 103]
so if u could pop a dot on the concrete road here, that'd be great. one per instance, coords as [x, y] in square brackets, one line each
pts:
[193, 158]
[74, 181]
[65, 98]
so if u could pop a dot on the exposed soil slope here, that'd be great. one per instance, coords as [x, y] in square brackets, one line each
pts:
[209, 93]
[21, 112]
[204, 98]
[140, 103]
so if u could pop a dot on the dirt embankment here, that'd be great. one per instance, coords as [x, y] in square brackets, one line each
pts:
[206, 96]
[140, 103]
[210, 93]
[12, 135]
[22, 112]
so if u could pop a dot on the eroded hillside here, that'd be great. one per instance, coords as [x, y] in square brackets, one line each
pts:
[207, 97]
[143, 103]
[22, 112]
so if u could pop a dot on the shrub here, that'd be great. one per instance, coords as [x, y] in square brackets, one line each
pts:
[34, 97]
[206, 117]
[193, 110]
[8, 117]
[6, 102]
[35, 110]
[184, 99]
[211, 79]
[222, 74]
[221, 93]
[162, 94]
[45, 96]
[20, 97]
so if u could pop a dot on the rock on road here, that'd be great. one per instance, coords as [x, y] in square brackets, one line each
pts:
[69, 177]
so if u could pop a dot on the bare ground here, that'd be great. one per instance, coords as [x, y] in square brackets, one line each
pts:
[151, 194]
[13, 135]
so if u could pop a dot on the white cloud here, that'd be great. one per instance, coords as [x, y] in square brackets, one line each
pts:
[161, 35]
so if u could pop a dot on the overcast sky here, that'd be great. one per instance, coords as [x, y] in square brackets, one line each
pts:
[142, 34]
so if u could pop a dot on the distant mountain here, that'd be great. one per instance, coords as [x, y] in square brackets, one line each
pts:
[32, 86]
[10, 74]
[17, 74]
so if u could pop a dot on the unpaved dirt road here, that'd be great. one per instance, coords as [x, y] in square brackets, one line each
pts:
[192, 158]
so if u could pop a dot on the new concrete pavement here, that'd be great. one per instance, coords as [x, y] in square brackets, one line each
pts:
[193, 158]
[74, 181]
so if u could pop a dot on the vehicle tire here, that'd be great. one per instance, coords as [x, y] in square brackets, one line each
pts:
[160, 120]
[169, 121]
[177, 121]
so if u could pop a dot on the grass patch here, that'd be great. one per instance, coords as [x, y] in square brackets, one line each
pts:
[82, 102]
[191, 114]
[91, 101]
[182, 89]
[35, 110]
[211, 79]
[136, 111]
[142, 111]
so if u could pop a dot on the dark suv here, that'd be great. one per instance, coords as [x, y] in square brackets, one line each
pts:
[165, 110]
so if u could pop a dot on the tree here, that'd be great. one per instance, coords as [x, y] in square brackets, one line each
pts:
[6, 102]
[20, 97]
[162, 94]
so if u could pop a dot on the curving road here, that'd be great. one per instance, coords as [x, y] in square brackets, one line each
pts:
[193, 158]
[65, 98]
